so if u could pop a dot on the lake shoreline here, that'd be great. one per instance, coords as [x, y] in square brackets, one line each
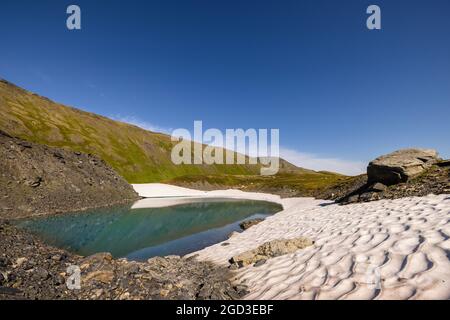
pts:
[145, 229]
[406, 239]
[32, 269]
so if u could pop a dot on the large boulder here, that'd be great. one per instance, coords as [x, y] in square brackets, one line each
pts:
[401, 165]
[274, 248]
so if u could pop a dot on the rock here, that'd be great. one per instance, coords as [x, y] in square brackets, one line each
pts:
[400, 165]
[97, 293]
[101, 276]
[367, 196]
[25, 144]
[7, 291]
[58, 280]
[352, 199]
[250, 223]
[378, 187]
[124, 296]
[131, 267]
[224, 244]
[4, 262]
[434, 179]
[1, 131]
[36, 182]
[164, 292]
[172, 257]
[19, 262]
[98, 258]
[260, 263]
[234, 233]
[58, 155]
[444, 163]
[158, 262]
[269, 250]
[42, 274]
[233, 266]
[56, 257]
[191, 257]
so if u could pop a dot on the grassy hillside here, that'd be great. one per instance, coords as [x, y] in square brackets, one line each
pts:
[140, 156]
[284, 184]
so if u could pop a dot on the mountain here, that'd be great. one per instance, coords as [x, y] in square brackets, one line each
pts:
[140, 156]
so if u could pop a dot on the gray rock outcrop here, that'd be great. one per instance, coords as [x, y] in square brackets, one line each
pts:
[401, 165]
[37, 179]
[274, 248]
[250, 223]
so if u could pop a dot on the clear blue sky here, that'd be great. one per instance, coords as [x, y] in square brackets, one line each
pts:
[339, 93]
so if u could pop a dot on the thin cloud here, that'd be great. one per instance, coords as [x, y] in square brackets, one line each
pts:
[142, 124]
[42, 76]
[317, 163]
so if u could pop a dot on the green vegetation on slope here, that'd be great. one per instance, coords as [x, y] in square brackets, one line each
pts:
[138, 155]
[284, 184]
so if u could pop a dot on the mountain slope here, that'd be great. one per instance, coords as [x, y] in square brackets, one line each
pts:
[37, 179]
[138, 155]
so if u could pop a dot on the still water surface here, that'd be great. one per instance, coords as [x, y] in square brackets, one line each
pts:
[146, 232]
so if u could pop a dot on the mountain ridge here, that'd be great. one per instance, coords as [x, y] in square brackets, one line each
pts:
[139, 155]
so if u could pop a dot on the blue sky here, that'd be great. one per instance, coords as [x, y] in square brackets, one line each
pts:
[339, 93]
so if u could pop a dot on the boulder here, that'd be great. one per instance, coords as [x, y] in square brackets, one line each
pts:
[400, 165]
[98, 258]
[260, 263]
[250, 223]
[351, 199]
[105, 276]
[377, 187]
[444, 163]
[268, 250]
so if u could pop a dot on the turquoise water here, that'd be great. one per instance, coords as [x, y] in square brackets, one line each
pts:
[139, 234]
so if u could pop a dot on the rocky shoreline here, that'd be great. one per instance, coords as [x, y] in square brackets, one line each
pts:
[40, 180]
[30, 269]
